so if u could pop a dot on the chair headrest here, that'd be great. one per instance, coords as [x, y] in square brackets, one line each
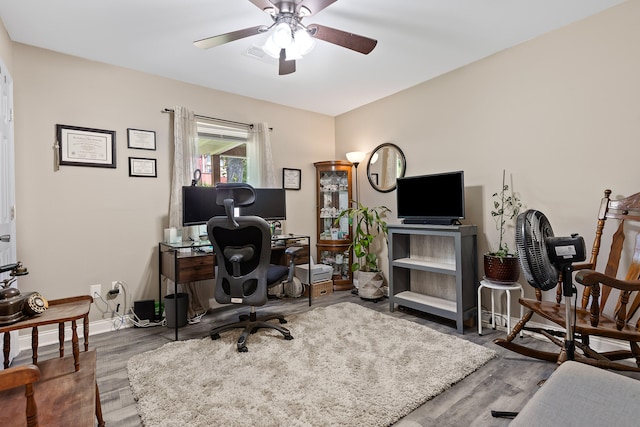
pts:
[241, 193]
[231, 195]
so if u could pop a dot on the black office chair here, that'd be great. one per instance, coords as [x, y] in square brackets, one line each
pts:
[242, 246]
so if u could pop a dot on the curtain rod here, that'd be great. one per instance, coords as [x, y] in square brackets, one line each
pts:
[249, 125]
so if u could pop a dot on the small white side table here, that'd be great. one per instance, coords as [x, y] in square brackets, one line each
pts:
[507, 287]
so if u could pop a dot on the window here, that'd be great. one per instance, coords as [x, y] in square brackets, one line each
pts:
[222, 152]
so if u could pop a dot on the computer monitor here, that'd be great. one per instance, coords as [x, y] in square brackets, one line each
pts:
[270, 204]
[199, 205]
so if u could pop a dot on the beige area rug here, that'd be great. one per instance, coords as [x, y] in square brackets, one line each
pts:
[346, 366]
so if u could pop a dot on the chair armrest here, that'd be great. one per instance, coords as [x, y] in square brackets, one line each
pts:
[591, 277]
[18, 376]
[292, 250]
[582, 266]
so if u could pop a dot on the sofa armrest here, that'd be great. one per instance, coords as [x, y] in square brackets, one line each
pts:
[580, 394]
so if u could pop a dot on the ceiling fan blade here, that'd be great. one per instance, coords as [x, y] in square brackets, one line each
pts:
[286, 67]
[314, 6]
[229, 37]
[342, 38]
[265, 4]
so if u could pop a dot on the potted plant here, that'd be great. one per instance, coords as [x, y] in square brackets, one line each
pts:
[370, 224]
[501, 266]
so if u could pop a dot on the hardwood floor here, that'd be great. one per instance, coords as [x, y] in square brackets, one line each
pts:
[505, 383]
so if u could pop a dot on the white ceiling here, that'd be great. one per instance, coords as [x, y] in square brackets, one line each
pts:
[417, 40]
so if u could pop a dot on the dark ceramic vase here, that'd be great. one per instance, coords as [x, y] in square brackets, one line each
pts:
[505, 270]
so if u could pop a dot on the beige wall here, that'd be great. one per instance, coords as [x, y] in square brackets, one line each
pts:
[82, 225]
[560, 113]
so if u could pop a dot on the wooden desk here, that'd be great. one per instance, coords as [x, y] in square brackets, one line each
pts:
[181, 263]
[192, 261]
[59, 311]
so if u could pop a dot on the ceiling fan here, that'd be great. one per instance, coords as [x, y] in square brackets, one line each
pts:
[290, 39]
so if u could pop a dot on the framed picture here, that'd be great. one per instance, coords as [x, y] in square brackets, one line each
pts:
[141, 139]
[142, 167]
[291, 179]
[78, 146]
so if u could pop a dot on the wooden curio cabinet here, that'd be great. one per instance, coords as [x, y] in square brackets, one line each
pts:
[333, 180]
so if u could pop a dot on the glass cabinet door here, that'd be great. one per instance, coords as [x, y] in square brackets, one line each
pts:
[333, 180]
[339, 260]
[334, 198]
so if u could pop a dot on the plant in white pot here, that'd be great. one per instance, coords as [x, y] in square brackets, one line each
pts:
[370, 227]
[501, 265]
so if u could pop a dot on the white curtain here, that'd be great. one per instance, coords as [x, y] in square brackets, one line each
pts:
[260, 169]
[185, 155]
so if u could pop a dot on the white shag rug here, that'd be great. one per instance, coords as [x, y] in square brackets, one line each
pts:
[346, 366]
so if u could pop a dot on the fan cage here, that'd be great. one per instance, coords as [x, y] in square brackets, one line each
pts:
[532, 230]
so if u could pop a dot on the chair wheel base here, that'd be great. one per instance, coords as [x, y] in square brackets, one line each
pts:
[243, 349]
[288, 337]
[215, 336]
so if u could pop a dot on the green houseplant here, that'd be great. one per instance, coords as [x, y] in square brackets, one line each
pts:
[370, 225]
[502, 264]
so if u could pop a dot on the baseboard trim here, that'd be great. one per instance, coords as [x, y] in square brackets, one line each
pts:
[96, 327]
[109, 325]
[50, 336]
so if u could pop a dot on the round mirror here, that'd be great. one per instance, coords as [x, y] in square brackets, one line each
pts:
[386, 164]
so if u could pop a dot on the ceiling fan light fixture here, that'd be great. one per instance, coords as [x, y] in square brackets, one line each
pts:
[304, 11]
[270, 48]
[303, 41]
[281, 35]
[292, 53]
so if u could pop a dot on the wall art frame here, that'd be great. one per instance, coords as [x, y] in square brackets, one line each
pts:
[80, 146]
[291, 179]
[143, 167]
[140, 139]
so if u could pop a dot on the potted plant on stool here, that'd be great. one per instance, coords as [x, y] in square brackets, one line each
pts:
[501, 266]
[369, 225]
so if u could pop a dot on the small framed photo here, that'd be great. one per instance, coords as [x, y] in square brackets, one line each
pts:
[141, 139]
[78, 146]
[142, 167]
[291, 178]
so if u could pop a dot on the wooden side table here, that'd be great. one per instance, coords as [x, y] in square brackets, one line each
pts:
[61, 397]
[59, 311]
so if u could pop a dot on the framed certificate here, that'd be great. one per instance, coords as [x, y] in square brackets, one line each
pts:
[291, 179]
[141, 139]
[78, 146]
[142, 167]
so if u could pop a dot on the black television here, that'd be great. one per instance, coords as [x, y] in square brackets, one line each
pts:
[431, 199]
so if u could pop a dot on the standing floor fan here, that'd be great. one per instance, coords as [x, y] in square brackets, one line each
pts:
[544, 257]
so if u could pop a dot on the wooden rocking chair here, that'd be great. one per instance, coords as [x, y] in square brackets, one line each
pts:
[590, 318]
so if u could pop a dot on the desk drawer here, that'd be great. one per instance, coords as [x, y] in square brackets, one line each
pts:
[191, 267]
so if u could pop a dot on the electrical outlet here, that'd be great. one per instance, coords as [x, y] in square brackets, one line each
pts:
[115, 289]
[95, 289]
